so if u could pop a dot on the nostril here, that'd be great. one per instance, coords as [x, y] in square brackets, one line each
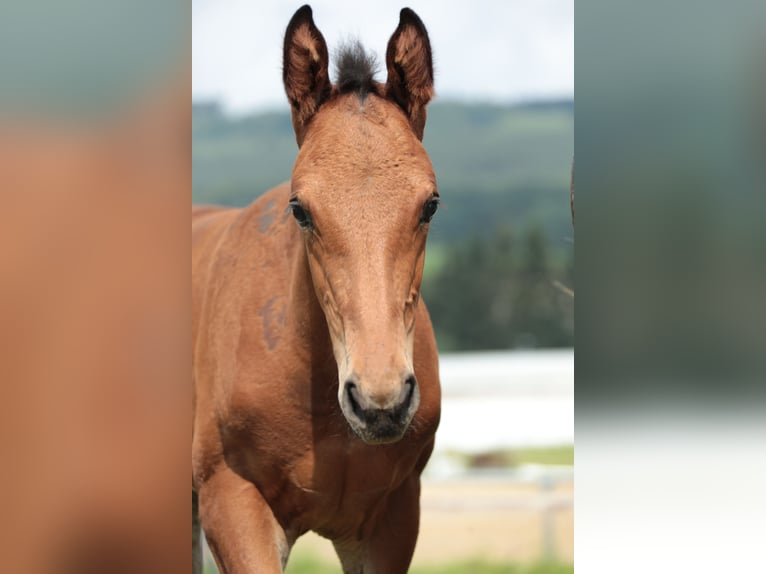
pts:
[353, 401]
[409, 389]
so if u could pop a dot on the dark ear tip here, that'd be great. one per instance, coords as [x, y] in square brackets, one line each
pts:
[408, 16]
[302, 14]
[302, 17]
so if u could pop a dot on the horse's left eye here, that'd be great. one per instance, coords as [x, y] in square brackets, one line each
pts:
[301, 215]
[429, 209]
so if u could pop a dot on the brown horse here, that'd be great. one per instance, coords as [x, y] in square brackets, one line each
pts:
[314, 362]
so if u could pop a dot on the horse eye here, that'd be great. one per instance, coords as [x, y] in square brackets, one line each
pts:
[300, 214]
[429, 209]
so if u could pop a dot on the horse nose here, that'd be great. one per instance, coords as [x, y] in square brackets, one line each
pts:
[370, 401]
[380, 414]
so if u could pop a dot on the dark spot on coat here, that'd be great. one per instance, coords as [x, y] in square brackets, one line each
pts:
[273, 317]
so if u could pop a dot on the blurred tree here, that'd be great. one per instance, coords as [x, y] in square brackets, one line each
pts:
[494, 294]
[537, 320]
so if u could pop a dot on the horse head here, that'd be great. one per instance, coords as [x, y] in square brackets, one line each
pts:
[363, 194]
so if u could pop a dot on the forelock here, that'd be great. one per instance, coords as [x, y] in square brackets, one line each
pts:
[356, 70]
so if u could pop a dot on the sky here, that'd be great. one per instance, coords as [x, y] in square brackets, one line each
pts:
[484, 50]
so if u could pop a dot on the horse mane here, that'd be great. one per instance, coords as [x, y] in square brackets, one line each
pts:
[356, 70]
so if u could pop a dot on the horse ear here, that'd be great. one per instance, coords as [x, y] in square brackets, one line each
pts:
[410, 80]
[305, 69]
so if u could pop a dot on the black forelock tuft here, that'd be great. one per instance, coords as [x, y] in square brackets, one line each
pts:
[356, 69]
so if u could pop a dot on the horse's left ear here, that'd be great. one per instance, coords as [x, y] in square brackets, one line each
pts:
[305, 69]
[410, 80]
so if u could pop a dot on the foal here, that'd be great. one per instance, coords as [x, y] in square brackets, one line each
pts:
[316, 389]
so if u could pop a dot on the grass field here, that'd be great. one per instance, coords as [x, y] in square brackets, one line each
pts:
[310, 565]
[305, 564]
[556, 455]
[560, 455]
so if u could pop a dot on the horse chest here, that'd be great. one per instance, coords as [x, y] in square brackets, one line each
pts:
[334, 488]
[325, 479]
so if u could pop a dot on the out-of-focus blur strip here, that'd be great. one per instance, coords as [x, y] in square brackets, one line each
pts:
[671, 165]
[671, 277]
[95, 184]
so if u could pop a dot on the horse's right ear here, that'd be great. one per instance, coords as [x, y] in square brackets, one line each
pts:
[305, 69]
[410, 80]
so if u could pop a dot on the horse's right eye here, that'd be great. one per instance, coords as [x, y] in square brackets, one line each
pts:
[429, 209]
[301, 215]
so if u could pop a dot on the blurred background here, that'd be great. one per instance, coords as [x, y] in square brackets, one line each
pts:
[671, 267]
[499, 276]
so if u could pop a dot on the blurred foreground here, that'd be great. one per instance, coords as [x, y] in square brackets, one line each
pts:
[94, 265]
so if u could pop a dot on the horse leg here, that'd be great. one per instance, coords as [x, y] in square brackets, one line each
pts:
[391, 544]
[241, 530]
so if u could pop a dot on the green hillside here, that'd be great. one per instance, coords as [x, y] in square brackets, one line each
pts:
[501, 148]
[495, 165]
